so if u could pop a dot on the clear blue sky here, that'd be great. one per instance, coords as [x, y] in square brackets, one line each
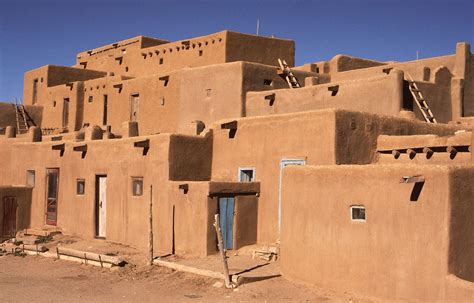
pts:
[39, 32]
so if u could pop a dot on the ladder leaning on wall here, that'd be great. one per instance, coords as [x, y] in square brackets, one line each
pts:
[23, 120]
[420, 101]
[285, 72]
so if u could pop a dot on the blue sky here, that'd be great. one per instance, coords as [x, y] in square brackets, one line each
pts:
[35, 32]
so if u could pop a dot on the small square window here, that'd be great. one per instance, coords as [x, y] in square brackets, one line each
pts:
[91, 98]
[208, 92]
[161, 60]
[357, 213]
[267, 82]
[137, 186]
[30, 178]
[246, 174]
[200, 53]
[80, 186]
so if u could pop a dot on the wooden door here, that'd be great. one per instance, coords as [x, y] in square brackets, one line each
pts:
[52, 188]
[9, 216]
[226, 213]
[101, 206]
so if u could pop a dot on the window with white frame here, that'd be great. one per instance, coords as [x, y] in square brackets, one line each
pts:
[246, 174]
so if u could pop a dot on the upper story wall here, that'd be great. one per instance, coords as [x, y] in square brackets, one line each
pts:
[216, 48]
[37, 81]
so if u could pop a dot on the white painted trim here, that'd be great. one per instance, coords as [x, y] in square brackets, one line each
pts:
[360, 207]
[246, 168]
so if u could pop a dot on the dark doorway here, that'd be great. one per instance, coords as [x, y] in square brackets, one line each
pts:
[52, 185]
[9, 216]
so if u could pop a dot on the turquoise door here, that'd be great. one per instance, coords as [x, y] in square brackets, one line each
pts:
[226, 213]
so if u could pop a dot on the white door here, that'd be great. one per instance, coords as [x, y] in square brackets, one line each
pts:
[283, 164]
[101, 206]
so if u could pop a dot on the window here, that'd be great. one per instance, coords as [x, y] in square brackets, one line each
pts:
[161, 60]
[137, 186]
[200, 53]
[208, 92]
[80, 186]
[91, 98]
[104, 114]
[35, 91]
[54, 103]
[357, 213]
[246, 174]
[65, 112]
[30, 178]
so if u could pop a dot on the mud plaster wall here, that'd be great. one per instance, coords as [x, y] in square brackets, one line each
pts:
[119, 160]
[383, 95]
[320, 137]
[461, 249]
[399, 252]
[23, 199]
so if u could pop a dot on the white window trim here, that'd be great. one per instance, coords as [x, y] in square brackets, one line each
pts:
[357, 220]
[246, 168]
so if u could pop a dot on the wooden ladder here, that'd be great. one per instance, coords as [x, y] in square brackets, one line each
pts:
[23, 120]
[285, 72]
[421, 101]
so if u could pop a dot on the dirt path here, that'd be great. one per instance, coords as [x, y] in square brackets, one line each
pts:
[39, 279]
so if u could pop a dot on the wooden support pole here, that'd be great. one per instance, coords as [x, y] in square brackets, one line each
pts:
[150, 230]
[222, 251]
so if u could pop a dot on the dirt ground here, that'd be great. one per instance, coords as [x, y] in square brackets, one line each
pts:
[39, 279]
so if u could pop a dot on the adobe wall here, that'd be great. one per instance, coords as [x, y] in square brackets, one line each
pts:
[382, 95]
[258, 49]
[461, 249]
[399, 253]
[52, 75]
[115, 49]
[321, 137]
[425, 149]
[118, 159]
[215, 92]
[23, 199]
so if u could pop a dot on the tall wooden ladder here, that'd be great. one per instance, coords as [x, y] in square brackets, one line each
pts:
[285, 72]
[23, 120]
[421, 101]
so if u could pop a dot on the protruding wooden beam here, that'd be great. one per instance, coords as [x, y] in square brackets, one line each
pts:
[60, 147]
[184, 188]
[80, 148]
[142, 143]
[229, 125]
[412, 179]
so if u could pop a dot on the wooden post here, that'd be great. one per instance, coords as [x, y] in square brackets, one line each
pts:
[222, 251]
[150, 231]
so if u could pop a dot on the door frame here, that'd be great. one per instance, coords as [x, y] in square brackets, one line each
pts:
[287, 161]
[46, 222]
[96, 205]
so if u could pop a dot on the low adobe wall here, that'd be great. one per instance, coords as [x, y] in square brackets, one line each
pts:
[400, 251]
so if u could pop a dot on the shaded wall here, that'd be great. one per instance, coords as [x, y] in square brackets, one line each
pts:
[400, 252]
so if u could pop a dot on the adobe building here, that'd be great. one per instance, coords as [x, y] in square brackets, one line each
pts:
[359, 172]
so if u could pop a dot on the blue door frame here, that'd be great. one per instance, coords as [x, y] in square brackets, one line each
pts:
[226, 213]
